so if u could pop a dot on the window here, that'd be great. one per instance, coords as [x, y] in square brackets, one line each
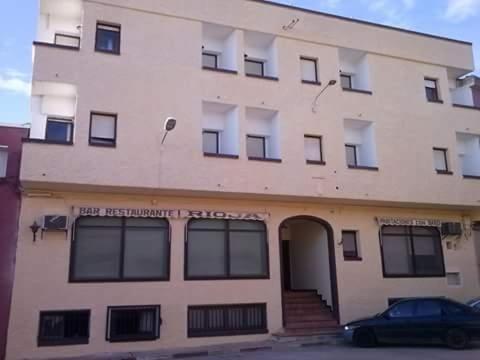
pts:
[222, 249]
[441, 160]
[412, 252]
[309, 70]
[133, 323]
[227, 320]
[108, 38]
[3, 161]
[254, 67]
[350, 245]
[211, 142]
[431, 90]
[64, 327]
[468, 147]
[256, 147]
[428, 308]
[346, 81]
[103, 129]
[209, 60]
[404, 309]
[67, 40]
[119, 249]
[313, 149]
[352, 158]
[59, 130]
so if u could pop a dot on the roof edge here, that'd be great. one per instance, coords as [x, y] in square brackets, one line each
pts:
[364, 22]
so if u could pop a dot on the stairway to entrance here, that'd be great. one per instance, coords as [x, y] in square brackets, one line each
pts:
[306, 313]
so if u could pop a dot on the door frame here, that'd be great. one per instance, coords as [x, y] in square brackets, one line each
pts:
[331, 255]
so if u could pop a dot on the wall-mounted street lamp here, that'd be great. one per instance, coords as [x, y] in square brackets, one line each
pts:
[314, 105]
[170, 124]
[34, 227]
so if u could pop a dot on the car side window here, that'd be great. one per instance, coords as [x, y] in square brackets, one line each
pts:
[453, 309]
[428, 308]
[402, 310]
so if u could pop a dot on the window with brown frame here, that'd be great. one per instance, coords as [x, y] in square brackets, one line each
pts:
[309, 69]
[211, 142]
[352, 155]
[440, 156]
[103, 129]
[256, 147]
[59, 130]
[209, 60]
[346, 81]
[411, 251]
[133, 323]
[61, 328]
[107, 38]
[431, 90]
[313, 149]
[254, 67]
[226, 249]
[350, 245]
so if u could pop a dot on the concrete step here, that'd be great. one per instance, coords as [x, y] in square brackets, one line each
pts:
[311, 324]
[308, 318]
[306, 307]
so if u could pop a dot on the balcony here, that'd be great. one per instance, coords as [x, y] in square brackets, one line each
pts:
[465, 92]
[53, 108]
[59, 24]
[219, 49]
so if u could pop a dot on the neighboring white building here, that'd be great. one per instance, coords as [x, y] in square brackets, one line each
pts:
[330, 156]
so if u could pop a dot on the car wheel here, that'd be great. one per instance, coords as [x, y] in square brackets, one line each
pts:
[457, 339]
[364, 338]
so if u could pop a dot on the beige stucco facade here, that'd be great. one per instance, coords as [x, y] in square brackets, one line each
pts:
[159, 74]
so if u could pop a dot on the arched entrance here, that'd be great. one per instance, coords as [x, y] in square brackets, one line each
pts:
[308, 275]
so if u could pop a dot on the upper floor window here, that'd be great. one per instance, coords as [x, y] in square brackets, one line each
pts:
[409, 251]
[119, 249]
[354, 71]
[103, 129]
[64, 328]
[260, 55]
[440, 156]
[226, 249]
[256, 146]
[263, 135]
[431, 90]
[313, 149]
[108, 38]
[219, 48]
[309, 69]
[59, 130]
[68, 40]
[360, 147]
[3, 161]
[220, 130]
[468, 147]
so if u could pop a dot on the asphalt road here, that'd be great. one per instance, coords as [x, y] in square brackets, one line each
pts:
[345, 352]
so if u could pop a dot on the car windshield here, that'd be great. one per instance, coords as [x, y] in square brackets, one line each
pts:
[473, 302]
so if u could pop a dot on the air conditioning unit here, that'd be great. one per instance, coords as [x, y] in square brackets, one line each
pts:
[55, 223]
[451, 229]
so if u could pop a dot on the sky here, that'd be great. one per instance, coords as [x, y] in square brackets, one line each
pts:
[459, 19]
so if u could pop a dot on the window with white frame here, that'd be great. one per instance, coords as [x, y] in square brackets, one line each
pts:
[103, 129]
[313, 149]
[309, 69]
[468, 147]
[360, 147]
[3, 161]
[263, 134]
[220, 134]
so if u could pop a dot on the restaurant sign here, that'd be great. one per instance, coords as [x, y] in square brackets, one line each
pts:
[387, 221]
[169, 213]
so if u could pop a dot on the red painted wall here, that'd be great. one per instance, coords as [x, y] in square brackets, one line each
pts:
[9, 212]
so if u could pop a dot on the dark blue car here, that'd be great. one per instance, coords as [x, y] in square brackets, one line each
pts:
[418, 321]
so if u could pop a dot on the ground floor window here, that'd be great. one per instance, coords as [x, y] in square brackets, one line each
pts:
[222, 249]
[59, 328]
[409, 251]
[133, 323]
[119, 249]
[227, 320]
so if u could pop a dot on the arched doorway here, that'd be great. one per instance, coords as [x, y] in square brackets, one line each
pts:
[309, 278]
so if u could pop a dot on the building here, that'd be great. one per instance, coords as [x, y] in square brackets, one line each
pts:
[10, 152]
[311, 152]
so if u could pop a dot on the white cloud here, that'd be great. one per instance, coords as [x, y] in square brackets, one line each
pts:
[459, 10]
[14, 81]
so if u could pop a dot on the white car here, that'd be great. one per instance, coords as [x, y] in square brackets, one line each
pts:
[475, 303]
